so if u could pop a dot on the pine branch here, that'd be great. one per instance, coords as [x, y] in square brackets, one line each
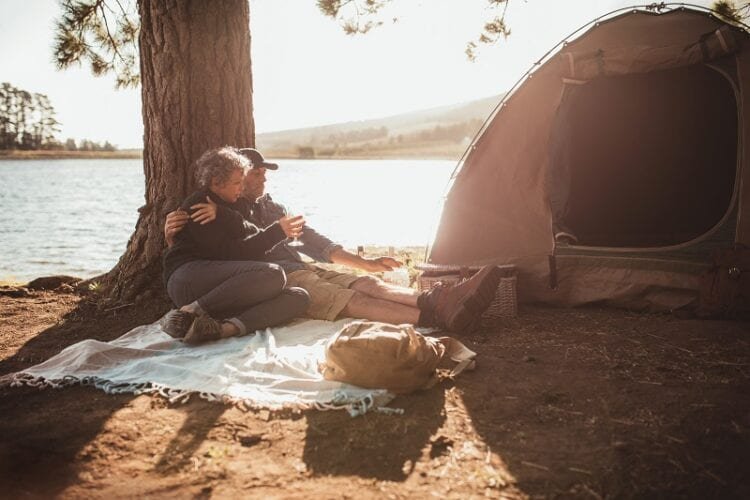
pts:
[94, 32]
[492, 30]
[360, 16]
[353, 14]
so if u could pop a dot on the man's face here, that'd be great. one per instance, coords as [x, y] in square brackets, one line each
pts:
[255, 183]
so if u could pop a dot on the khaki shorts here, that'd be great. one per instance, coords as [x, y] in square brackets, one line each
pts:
[329, 290]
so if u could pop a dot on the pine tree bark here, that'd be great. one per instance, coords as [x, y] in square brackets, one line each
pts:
[196, 86]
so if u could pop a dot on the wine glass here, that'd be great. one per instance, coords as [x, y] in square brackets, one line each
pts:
[295, 242]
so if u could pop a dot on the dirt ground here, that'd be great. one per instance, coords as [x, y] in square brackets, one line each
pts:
[576, 403]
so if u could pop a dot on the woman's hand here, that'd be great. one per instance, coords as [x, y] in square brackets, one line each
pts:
[292, 226]
[175, 222]
[204, 212]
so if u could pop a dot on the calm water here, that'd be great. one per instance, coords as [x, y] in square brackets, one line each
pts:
[75, 216]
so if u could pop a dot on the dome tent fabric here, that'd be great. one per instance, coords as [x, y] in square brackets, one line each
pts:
[632, 136]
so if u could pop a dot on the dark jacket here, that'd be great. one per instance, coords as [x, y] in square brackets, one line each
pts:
[228, 237]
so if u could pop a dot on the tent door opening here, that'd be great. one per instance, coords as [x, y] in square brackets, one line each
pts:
[650, 159]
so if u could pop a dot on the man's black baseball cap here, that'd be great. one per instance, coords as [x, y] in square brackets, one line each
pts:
[256, 159]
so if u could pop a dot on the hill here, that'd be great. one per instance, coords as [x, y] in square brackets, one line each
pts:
[442, 132]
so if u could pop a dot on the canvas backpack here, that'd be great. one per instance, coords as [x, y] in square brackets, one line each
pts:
[725, 288]
[377, 355]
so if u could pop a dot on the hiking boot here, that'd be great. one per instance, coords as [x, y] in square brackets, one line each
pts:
[203, 329]
[176, 323]
[459, 308]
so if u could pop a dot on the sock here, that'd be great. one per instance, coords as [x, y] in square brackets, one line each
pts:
[426, 318]
[196, 308]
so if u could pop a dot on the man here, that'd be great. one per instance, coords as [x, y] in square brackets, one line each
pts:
[333, 294]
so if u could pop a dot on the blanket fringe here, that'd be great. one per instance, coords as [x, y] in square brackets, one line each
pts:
[375, 401]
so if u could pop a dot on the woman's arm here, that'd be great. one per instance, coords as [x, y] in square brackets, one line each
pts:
[228, 219]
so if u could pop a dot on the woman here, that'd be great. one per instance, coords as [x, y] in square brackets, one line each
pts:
[211, 270]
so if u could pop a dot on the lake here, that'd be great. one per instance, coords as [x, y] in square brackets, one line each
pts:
[75, 216]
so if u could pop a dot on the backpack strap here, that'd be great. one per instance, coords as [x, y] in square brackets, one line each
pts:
[458, 353]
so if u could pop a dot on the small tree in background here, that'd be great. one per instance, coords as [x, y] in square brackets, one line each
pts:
[27, 121]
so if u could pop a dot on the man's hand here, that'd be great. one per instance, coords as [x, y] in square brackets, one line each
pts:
[204, 212]
[176, 220]
[380, 264]
[376, 265]
[292, 226]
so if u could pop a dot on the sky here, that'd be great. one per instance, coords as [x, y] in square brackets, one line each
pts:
[306, 71]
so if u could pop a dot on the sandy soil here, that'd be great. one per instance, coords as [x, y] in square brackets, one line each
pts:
[577, 403]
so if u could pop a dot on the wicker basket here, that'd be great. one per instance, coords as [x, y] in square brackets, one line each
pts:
[505, 303]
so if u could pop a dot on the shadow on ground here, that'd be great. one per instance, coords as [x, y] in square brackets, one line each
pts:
[45, 431]
[377, 446]
[199, 421]
[604, 403]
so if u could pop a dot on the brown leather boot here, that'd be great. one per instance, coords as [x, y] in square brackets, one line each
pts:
[458, 308]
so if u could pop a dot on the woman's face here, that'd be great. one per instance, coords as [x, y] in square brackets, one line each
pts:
[231, 189]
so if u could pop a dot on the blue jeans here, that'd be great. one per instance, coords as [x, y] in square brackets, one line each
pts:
[250, 295]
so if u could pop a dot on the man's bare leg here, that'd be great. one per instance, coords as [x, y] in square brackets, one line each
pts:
[379, 289]
[374, 309]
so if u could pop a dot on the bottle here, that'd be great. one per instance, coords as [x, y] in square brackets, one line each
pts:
[399, 276]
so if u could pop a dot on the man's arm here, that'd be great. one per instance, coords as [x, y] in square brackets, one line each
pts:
[314, 245]
[204, 213]
[201, 212]
[322, 249]
[175, 222]
[378, 264]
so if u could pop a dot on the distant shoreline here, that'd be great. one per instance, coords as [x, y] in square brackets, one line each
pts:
[137, 154]
[130, 154]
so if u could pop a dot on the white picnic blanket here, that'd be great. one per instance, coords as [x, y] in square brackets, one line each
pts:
[273, 369]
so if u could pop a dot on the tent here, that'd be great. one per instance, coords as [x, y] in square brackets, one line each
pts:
[630, 136]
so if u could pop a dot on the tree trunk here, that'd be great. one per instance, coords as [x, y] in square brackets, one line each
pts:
[196, 87]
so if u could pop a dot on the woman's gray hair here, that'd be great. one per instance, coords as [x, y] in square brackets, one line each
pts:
[218, 164]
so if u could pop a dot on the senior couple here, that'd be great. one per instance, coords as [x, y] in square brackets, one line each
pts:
[230, 270]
